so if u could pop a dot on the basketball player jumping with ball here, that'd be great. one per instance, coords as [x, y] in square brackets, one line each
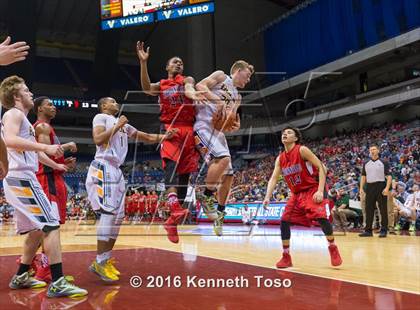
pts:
[213, 119]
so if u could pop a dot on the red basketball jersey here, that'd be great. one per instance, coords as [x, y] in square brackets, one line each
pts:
[154, 200]
[300, 175]
[42, 169]
[175, 107]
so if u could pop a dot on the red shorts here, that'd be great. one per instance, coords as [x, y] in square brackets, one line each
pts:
[54, 187]
[181, 149]
[302, 210]
[153, 208]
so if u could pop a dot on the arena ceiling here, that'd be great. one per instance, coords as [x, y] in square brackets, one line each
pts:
[75, 23]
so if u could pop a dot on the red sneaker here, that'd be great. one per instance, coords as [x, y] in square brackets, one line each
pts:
[43, 273]
[285, 262]
[178, 214]
[171, 231]
[335, 255]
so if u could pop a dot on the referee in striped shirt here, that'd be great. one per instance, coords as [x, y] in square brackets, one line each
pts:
[377, 178]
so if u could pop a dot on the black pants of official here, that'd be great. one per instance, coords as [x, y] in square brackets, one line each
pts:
[373, 196]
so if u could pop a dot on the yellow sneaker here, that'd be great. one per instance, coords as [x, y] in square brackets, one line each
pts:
[110, 265]
[103, 271]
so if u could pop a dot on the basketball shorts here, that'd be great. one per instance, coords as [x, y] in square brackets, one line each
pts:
[181, 149]
[302, 210]
[106, 188]
[406, 212]
[33, 210]
[212, 144]
[54, 187]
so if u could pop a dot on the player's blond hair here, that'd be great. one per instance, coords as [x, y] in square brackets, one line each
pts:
[240, 65]
[9, 88]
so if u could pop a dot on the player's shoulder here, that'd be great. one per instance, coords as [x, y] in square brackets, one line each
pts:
[102, 116]
[42, 127]
[219, 75]
[16, 114]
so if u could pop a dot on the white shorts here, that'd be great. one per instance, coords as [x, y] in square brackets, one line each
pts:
[33, 210]
[106, 188]
[406, 212]
[212, 144]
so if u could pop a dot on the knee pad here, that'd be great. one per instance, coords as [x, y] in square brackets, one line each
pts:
[285, 230]
[326, 227]
[104, 229]
[115, 229]
[171, 177]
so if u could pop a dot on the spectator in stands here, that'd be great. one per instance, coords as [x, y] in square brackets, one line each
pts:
[401, 192]
[409, 210]
[341, 211]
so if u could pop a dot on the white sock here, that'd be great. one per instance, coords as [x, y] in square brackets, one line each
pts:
[100, 258]
[107, 255]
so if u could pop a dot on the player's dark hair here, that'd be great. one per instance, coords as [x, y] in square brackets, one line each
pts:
[38, 102]
[297, 132]
[169, 60]
[101, 102]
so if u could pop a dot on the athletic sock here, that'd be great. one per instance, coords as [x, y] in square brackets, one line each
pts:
[56, 271]
[22, 269]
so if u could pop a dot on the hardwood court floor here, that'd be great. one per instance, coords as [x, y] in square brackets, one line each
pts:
[376, 273]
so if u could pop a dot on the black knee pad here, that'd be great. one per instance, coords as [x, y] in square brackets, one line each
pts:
[326, 226]
[171, 177]
[285, 230]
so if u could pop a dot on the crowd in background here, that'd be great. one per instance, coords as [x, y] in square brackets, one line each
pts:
[342, 154]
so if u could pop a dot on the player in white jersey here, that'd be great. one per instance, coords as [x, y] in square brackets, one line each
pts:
[222, 93]
[105, 182]
[35, 215]
[9, 54]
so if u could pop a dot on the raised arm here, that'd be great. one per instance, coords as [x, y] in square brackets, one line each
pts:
[11, 53]
[209, 82]
[149, 88]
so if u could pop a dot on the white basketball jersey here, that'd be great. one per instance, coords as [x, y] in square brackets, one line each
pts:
[23, 160]
[116, 150]
[204, 112]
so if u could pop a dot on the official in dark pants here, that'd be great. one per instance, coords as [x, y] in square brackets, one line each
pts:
[377, 178]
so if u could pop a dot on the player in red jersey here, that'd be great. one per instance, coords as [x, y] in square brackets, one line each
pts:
[179, 156]
[153, 203]
[141, 204]
[52, 181]
[135, 201]
[305, 175]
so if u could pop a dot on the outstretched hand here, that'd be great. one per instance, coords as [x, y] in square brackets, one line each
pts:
[142, 54]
